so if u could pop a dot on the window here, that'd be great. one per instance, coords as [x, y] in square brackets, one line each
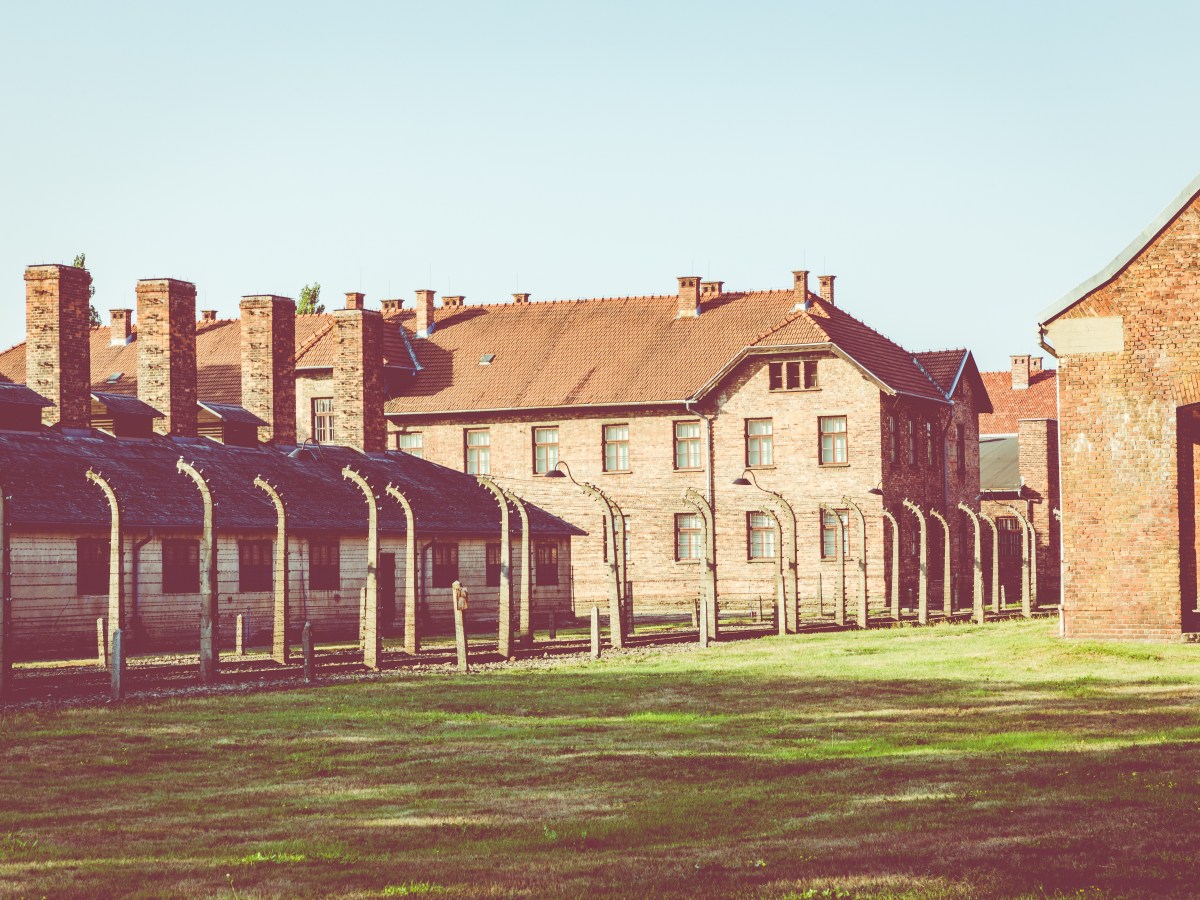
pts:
[687, 445]
[479, 451]
[546, 556]
[833, 440]
[180, 567]
[761, 536]
[616, 448]
[254, 565]
[689, 533]
[492, 567]
[412, 443]
[324, 566]
[891, 427]
[912, 444]
[929, 444]
[758, 442]
[829, 530]
[1009, 531]
[445, 565]
[792, 375]
[91, 566]
[545, 449]
[322, 420]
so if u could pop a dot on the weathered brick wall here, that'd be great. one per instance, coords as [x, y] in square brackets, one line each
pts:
[268, 365]
[1123, 574]
[1038, 441]
[58, 342]
[358, 388]
[166, 341]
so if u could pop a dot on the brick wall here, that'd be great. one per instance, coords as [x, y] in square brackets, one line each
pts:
[58, 348]
[1127, 573]
[166, 341]
[358, 387]
[268, 365]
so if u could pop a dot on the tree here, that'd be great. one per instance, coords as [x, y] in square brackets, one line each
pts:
[93, 315]
[310, 296]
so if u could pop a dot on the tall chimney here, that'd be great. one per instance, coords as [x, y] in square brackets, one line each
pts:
[1035, 366]
[689, 297]
[390, 306]
[520, 298]
[455, 301]
[827, 288]
[800, 288]
[120, 327]
[1020, 372]
[58, 350]
[425, 323]
[358, 378]
[269, 364]
[355, 300]
[166, 317]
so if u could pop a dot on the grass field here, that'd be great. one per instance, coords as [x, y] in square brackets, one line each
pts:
[946, 761]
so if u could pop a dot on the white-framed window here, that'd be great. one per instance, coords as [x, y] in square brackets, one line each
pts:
[478, 443]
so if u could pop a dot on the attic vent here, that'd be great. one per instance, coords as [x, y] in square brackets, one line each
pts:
[486, 359]
[115, 377]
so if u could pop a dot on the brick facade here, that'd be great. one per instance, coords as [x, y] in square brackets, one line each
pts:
[268, 365]
[58, 348]
[166, 320]
[358, 381]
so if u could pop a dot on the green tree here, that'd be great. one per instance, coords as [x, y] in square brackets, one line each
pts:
[93, 315]
[310, 297]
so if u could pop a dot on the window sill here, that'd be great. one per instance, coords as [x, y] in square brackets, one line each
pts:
[688, 562]
[617, 472]
[761, 468]
[844, 465]
[762, 559]
[689, 471]
[795, 390]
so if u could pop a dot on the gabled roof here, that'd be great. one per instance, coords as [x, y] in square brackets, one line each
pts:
[629, 350]
[1125, 257]
[153, 493]
[125, 405]
[234, 415]
[948, 368]
[1038, 401]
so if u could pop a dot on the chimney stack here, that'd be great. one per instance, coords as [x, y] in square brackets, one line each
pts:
[355, 300]
[424, 324]
[269, 364]
[453, 302]
[390, 306]
[800, 289]
[166, 316]
[208, 315]
[120, 327]
[710, 290]
[1020, 372]
[1035, 366]
[358, 378]
[58, 342]
[689, 297]
[827, 288]
[520, 298]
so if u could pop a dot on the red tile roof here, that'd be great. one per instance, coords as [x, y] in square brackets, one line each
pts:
[1038, 401]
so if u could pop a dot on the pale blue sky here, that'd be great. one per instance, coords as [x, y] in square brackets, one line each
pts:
[958, 167]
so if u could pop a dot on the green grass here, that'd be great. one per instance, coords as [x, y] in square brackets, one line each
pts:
[951, 761]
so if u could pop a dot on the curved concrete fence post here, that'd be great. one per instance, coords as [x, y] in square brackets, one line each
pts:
[708, 577]
[504, 642]
[947, 592]
[995, 560]
[620, 539]
[412, 637]
[116, 556]
[922, 564]
[894, 599]
[1028, 563]
[279, 577]
[977, 569]
[863, 608]
[839, 609]
[372, 639]
[525, 598]
[781, 595]
[6, 629]
[210, 654]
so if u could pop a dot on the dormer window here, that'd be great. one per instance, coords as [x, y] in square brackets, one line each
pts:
[21, 407]
[123, 415]
[233, 426]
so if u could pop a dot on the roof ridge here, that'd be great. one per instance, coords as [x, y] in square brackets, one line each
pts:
[313, 339]
[787, 320]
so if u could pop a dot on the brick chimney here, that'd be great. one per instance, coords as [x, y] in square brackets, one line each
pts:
[166, 317]
[358, 378]
[453, 302]
[520, 298]
[689, 297]
[710, 290]
[424, 323]
[800, 289]
[120, 327]
[1035, 366]
[827, 288]
[58, 350]
[1020, 372]
[269, 364]
[208, 315]
[390, 306]
[355, 300]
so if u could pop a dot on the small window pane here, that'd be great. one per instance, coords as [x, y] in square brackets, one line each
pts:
[413, 444]
[616, 448]
[545, 449]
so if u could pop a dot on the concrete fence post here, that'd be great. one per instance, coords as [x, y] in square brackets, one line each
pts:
[459, 600]
[279, 625]
[894, 599]
[239, 639]
[708, 579]
[839, 608]
[210, 654]
[863, 606]
[118, 665]
[525, 597]
[116, 559]
[101, 644]
[923, 564]
[977, 569]
[947, 594]
[306, 651]
[372, 635]
[996, 590]
[412, 635]
[504, 642]
[595, 632]
[704, 622]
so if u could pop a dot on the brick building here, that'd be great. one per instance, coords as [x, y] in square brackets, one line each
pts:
[79, 413]
[1127, 342]
[1018, 476]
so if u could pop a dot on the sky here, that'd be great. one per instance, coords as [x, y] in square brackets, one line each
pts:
[959, 167]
